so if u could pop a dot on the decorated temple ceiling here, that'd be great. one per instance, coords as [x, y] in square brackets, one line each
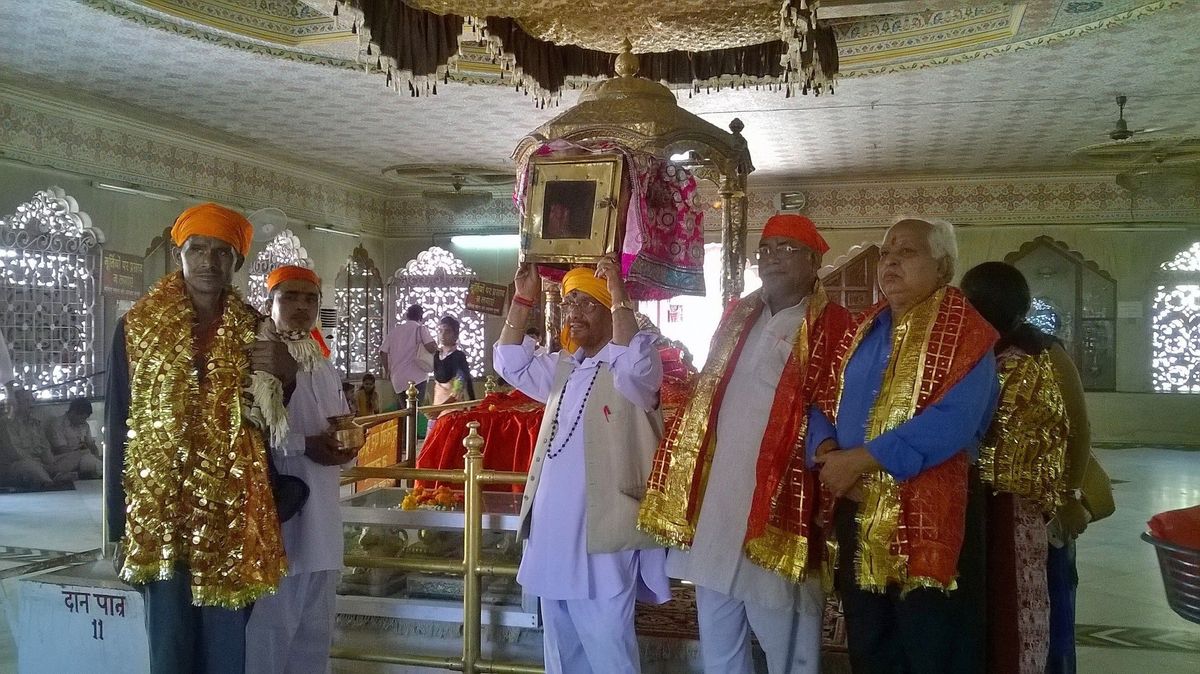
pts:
[1023, 105]
[866, 44]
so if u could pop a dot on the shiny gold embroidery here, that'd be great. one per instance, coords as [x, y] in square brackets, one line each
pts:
[879, 514]
[195, 476]
[667, 513]
[1024, 450]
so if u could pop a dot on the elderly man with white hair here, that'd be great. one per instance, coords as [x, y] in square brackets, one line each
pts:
[917, 391]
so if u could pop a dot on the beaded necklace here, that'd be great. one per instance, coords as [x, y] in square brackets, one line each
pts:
[552, 453]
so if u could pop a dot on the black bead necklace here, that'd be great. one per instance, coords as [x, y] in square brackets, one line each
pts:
[551, 453]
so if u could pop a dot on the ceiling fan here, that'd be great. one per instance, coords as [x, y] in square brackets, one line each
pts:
[1122, 131]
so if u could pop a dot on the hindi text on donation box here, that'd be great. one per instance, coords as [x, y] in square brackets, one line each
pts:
[77, 628]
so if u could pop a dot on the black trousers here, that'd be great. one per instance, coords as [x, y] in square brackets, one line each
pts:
[187, 639]
[926, 631]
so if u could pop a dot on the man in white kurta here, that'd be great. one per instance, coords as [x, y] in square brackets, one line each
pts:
[594, 404]
[733, 594]
[291, 631]
[729, 492]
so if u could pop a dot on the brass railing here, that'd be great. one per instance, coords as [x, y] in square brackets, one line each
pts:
[473, 476]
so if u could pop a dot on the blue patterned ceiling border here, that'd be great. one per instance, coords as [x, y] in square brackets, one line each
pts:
[1020, 45]
[150, 20]
[270, 20]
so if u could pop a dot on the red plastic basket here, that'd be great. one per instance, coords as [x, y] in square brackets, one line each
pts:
[1180, 569]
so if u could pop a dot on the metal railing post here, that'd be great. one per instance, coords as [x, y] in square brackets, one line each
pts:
[410, 427]
[473, 535]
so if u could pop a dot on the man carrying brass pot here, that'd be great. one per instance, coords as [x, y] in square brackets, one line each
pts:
[292, 630]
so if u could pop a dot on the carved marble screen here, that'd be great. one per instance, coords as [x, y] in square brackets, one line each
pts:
[1076, 301]
[49, 309]
[284, 249]
[360, 315]
[437, 280]
[1175, 339]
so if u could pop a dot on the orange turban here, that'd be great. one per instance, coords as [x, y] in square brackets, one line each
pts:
[216, 221]
[291, 272]
[796, 227]
[584, 280]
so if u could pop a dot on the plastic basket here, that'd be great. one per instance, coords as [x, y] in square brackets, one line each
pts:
[1180, 569]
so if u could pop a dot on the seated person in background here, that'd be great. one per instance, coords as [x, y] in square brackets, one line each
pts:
[26, 460]
[71, 442]
[366, 400]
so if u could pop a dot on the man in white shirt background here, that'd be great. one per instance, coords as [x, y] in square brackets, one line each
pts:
[407, 353]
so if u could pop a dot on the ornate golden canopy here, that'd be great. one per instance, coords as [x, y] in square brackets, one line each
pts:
[645, 116]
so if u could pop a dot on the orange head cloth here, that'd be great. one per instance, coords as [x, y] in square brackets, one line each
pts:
[216, 221]
[291, 272]
[584, 280]
[796, 227]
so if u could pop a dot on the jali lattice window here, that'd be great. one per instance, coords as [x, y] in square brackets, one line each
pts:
[284, 249]
[1176, 325]
[360, 314]
[437, 280]
[49, 266]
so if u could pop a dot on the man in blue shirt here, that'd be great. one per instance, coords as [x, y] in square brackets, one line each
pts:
[918, 389]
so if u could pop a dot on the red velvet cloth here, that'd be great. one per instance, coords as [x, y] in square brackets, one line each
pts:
[1178, 527]
[509, 425]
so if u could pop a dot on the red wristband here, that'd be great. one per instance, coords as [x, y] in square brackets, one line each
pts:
[517, 299]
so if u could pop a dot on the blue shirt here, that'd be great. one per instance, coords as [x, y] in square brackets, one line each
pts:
[956, 422]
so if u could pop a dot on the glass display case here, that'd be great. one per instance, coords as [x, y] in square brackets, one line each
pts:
[1076, 301]
[376, 526]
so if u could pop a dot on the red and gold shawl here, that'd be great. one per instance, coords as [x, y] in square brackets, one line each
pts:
[1025, 447]
[910, 533]
[196, 483]
[782, 510]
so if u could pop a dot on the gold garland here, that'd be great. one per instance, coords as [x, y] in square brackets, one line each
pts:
[195, 476]
[1025, 448]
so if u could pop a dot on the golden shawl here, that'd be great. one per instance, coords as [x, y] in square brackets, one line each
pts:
[783, 504]
[911, 533]
[195, 476]
[1025, 448]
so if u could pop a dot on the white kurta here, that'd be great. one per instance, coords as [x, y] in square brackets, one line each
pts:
[291, 631]
[716, 560]
[556, 564]
[313, 538]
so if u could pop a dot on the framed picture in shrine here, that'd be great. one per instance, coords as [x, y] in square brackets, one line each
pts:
[574, 208]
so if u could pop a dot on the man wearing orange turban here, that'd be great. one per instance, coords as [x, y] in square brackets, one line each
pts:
[585, 558]
[730, 491]
[292, 630]
[188, 496]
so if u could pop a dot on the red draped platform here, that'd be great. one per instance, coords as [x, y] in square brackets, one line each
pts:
[509, 425]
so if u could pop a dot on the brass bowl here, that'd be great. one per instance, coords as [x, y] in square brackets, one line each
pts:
[348, 434]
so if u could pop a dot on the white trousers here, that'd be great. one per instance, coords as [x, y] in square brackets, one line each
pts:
[590, 636]
[291, 631]
[790, 639]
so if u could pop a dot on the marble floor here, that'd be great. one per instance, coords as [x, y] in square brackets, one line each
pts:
[1124, 624]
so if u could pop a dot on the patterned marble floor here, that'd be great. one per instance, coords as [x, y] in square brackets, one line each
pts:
[1124, 622]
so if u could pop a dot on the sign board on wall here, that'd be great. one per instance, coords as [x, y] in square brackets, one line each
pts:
[121, 276]
[487, 298]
